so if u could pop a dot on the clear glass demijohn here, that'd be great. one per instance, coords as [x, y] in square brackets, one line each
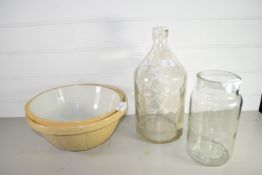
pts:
[160, 85]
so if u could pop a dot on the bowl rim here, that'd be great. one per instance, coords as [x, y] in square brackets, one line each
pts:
[74, 130]
[54, 123]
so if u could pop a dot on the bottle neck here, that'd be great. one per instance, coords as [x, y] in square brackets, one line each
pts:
[160, 37]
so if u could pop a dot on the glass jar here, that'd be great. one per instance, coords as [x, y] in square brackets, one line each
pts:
[215, 108]
[160, 85]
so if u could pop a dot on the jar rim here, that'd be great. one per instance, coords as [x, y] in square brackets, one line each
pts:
[218, 76]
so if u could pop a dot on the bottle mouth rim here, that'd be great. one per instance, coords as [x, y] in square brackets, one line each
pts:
[160, 32]
[219, 76]
[160, 28]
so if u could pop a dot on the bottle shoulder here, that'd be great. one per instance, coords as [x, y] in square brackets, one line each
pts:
[163, 68]
[161, 64]
[161, 57]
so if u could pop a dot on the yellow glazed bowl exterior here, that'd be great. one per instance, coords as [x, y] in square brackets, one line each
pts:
[80, 139]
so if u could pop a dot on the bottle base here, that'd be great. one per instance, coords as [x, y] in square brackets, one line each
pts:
[159, 128]
[148, 139]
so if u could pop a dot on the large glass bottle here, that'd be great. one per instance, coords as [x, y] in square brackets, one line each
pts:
[160, 85]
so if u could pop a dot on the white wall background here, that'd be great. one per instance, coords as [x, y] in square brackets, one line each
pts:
[44, 44]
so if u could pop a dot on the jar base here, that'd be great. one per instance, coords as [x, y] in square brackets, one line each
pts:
[208, 153]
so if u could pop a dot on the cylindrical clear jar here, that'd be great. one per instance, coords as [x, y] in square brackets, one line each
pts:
[215, 108]
[160, 84]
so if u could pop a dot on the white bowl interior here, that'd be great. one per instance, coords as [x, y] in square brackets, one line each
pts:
[75, 103]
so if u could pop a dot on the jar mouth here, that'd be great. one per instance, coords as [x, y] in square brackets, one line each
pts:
[218, 76]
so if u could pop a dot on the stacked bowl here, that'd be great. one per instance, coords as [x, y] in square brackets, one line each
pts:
[77, 117]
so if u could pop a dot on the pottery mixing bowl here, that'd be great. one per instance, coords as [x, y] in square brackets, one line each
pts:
[77, 117]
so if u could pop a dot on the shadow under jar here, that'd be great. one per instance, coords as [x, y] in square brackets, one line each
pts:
[215, 108]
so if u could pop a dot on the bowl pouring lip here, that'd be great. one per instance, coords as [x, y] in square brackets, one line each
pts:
[36, 118]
